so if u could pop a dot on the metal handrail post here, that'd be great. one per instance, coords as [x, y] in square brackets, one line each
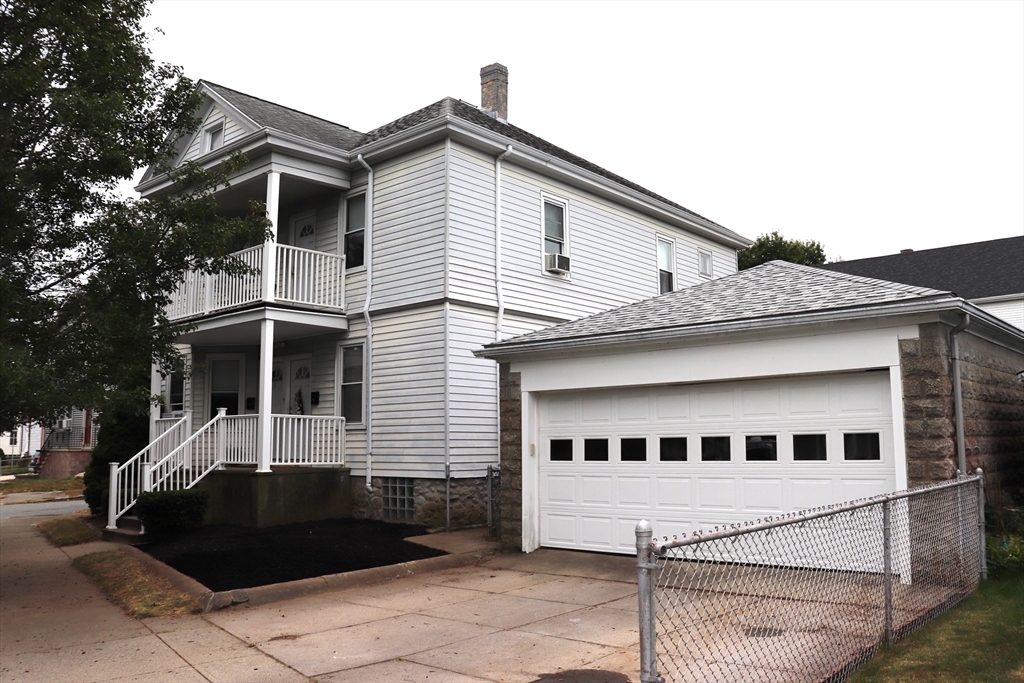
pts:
[887, 564]
[981, 523]
[645, 595]
[112, 497]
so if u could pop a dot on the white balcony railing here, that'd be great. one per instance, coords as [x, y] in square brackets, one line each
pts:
[304, 276]
[308, 440]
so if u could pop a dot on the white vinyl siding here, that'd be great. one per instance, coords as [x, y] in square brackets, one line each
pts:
[471, 226]
[473, 393]
[408, 228]
[1011, 311]
[215, 116]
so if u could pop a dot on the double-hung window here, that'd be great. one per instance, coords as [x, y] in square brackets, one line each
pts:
[704, 265]
[214, 137]
[554, 228]
[352, 384]
[355, 230]
[666, 266]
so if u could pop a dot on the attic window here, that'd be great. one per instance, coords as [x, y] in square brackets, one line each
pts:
[213, 137]
[704, 263]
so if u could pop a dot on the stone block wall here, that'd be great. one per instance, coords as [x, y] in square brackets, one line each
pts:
[510, 498]
[468, 501]
[993, 401]
[61, 464]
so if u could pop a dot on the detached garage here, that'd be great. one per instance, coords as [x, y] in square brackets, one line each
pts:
[780, 388]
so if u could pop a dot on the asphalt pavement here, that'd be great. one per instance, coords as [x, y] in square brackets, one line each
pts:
[47, 509]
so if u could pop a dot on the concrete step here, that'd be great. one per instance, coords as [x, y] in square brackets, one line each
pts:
[129, 530]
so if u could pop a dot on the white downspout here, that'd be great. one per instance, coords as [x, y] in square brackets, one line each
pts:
[958, 399]
[497, 244]
[368, 260]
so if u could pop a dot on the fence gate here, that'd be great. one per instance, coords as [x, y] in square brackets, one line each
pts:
[807, 596]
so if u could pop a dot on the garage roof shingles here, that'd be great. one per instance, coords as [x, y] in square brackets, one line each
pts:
[776, 288]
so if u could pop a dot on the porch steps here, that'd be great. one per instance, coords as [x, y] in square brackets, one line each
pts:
[129, 530]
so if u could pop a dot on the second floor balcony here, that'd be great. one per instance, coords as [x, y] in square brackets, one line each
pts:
[300, 277]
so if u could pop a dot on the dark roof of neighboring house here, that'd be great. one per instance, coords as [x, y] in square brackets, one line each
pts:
[973, 271]
[291, 121]
[773, 289]
[270, 115]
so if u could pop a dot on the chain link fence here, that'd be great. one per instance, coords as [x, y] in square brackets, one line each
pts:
[807, 596]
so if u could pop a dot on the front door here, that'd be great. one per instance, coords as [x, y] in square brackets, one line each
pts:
[298, 392]
[299, 266]
[225, 385]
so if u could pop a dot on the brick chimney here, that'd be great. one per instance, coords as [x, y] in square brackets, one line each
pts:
[494, 90]
[906, 251]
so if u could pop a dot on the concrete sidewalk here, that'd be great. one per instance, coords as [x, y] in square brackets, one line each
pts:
[512, 618]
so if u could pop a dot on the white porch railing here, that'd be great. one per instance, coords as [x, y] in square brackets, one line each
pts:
[127, 480]
[307, 440]
[304, 276]
[175, 460]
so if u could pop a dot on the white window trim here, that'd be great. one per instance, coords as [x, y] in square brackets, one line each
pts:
[208, 381]
[657, 262]
[339, 370]
[828, 446]
[546, 198]
[711, 264]
[343, 223]
[208, 132]
[716, 435]
[778, 447]
[882, 455]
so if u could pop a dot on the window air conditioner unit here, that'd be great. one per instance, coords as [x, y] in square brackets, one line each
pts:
[64, 423]
[556, 263]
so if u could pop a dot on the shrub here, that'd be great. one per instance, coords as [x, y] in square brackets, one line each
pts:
[165, 513]
[1004, 553]
[121, 436]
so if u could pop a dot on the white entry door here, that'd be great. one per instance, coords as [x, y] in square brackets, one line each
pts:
[693, 457]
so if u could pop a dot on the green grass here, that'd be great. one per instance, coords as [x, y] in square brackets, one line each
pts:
[72, 487]
[67, 531]
[10, 469]
[130, 584]
[981, 641]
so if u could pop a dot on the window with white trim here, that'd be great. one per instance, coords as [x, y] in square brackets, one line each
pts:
[554, 228]
[352, 384]
[174, 395]
[666, 266]
[355, 231]
[213, 137]
[704, 264]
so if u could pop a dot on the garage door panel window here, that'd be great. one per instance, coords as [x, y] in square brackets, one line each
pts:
[810, 447]
[595, 450]
[715, 448]
[762, 448]
[672, 448]
[560, 450]
[633, 450]
[862, 446]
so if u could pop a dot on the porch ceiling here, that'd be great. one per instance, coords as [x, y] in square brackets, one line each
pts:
[243, 327]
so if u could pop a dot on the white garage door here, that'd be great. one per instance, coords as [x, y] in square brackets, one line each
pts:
[696, 456]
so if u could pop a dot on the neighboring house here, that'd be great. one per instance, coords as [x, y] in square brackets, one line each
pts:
[397, 253]
[24, 440]
[780, 388]
[988, 274]
[67, 445]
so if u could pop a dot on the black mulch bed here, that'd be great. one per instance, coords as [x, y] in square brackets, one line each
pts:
[229, 556]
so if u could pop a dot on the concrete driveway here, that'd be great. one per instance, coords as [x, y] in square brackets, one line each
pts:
[512, 618]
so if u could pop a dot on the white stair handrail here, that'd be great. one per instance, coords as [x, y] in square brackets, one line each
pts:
[181, 457]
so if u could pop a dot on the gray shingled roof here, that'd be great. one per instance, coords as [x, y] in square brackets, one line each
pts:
[774, 289]
[291, 121]
[973, 271]
[270, 115]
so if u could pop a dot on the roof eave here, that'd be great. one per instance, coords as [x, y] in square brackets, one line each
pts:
[505, 351]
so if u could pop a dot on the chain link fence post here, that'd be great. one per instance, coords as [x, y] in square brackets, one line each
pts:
[887, 566]
[981, 523]
[645, 591]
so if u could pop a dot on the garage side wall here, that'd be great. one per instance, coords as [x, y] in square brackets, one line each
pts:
[928, 406]
[993, 412]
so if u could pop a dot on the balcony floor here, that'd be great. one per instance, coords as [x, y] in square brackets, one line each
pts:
[242, 327]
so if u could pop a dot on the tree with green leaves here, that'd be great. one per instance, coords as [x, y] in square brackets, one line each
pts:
[86, 272]
[775, 247]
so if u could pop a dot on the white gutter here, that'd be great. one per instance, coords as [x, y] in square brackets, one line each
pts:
[368, 260]
[758, 324]
[958, 399]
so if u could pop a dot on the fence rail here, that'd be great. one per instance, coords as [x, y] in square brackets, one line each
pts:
[307, 440]
[807, 596]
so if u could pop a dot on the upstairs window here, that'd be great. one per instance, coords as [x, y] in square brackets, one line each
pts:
[213, 137]
[704, 266]
[554, 228]
[355, 230]
[666, 266]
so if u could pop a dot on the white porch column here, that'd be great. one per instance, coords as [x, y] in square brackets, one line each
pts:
[269, 251]
[154, 410]
[264, 436]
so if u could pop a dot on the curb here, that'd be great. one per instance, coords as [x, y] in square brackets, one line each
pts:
[261, 595]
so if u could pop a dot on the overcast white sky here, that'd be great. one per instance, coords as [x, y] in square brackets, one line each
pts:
[868, 126]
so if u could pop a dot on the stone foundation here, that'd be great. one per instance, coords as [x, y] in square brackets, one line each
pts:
[63, 464]
[284, 496]
[468, 501]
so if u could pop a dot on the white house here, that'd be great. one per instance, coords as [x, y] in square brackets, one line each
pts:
[779, 388]
[397, 252]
